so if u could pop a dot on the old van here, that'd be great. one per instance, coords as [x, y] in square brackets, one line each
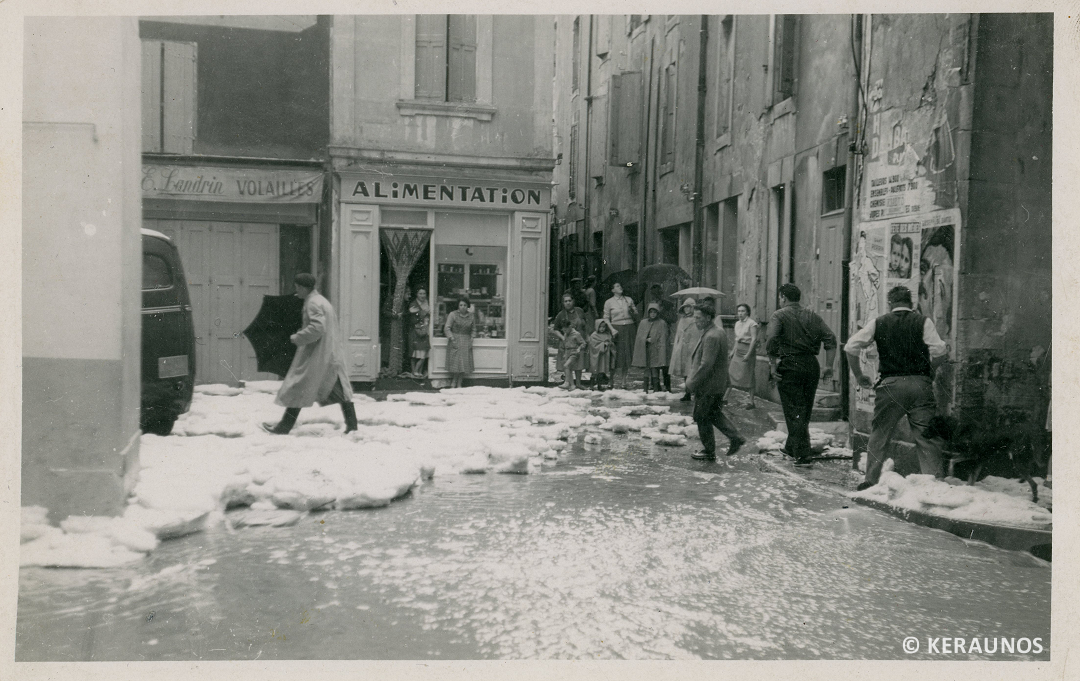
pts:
[168, 336]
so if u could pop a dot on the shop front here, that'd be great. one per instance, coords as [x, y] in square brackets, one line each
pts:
[242, 233]
[412, 249]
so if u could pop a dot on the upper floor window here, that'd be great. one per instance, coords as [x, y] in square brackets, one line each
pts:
[168, 96]
[446, 57]
[669, 108]
[575, 63]
[785, 36]
[725, 67]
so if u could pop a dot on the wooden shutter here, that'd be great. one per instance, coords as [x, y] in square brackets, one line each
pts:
[461, 83]
[667, 139]
[624, 120]
[179, 92]
[786, 33]
[151, 95]
[603, 34]
[431, 56]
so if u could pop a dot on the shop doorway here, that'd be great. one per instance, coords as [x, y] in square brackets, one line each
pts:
[402, 251]
[230, 266]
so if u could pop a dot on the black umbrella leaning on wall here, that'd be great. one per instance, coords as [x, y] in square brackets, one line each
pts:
[278, 319]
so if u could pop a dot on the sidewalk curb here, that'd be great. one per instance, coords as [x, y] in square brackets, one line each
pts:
[1036, 542]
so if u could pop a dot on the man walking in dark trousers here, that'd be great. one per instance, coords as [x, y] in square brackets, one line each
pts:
[909, 352]
[317, 373]
[794, 338]
[708, 381]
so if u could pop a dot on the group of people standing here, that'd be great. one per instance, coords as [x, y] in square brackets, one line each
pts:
[609, 342]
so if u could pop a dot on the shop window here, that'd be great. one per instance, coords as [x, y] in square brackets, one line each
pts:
[446, 57]
[630, 246]
[168, 96]
[729, 261]
[712, 245]
[470, 261]
[156, 274]
[669, 245]
[832, 189]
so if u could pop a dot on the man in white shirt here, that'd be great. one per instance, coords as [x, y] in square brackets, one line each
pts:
[909, 351]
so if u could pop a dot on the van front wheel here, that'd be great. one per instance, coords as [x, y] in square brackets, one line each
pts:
[159, 425]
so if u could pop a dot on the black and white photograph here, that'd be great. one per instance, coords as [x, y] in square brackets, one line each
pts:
[368, 335]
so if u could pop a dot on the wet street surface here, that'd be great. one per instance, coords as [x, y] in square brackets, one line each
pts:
[622, 550]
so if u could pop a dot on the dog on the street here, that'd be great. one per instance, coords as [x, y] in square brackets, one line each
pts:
[974, 452]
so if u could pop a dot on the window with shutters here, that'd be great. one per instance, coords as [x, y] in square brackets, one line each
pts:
[667, 118]
[446, 57]
[785, 39]
[168, 96]
[603, 35]
[575, 63]
[633, 21]
[624, 120]
[571, 190]
[725, 68]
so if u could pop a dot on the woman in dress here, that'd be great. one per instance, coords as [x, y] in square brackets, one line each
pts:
[570, 318]
[421, 342]
[742, 365]
[651, 347]
[687, 335]
[459, 330]
[601, 352]
[621, 313]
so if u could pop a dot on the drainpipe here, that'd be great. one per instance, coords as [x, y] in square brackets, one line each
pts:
[850, 188]
[646, 157]
[697, 231]
[588, 141]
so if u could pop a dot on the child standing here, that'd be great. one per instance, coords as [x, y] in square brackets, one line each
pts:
[602, 353]
[651, 347]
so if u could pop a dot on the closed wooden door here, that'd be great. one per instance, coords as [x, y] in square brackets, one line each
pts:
[230, 266]
[829, 276]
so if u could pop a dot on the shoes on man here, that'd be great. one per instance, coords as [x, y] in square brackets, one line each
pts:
[273, 428]
[685, 398]
[864, 485]
[735, 445]
[750, 405]
[804, 463]
[704, 456]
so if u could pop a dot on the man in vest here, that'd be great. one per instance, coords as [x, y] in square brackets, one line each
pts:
[909, 351]
[794, 338]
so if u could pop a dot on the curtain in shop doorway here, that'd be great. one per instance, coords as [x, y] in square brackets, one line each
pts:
[403, 248]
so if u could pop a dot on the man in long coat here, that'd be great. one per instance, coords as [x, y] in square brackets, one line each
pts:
[708, 381]
[317, 373]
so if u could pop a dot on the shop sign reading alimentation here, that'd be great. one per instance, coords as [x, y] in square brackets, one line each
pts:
[243, 185]
[425, 190]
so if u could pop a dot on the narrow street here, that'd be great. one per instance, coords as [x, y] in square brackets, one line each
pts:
[621, 550]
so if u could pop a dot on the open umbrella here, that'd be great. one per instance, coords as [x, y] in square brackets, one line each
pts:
[278, 318]
[699, 292]
[669, 277]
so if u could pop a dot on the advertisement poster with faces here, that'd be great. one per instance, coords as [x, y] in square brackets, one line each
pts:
[919, 253]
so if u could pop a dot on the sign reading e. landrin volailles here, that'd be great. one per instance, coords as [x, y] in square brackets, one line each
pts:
[446, 193]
